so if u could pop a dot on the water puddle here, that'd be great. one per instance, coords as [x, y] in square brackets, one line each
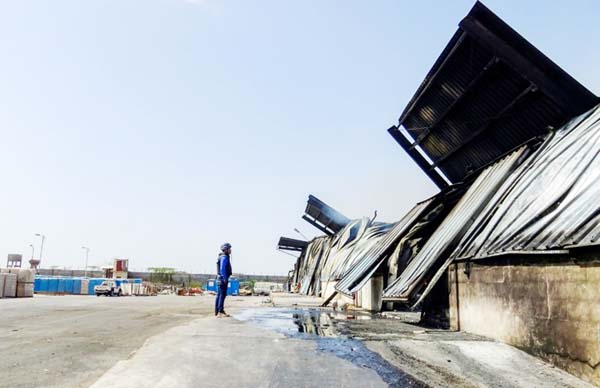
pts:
[320, 326]
[298, 322]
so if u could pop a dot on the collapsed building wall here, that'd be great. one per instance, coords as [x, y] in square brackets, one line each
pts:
[357, 262]
[484, 123]
[528, 270]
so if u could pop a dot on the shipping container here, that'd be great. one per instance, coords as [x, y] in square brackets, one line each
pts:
[53, 285]
[68, 285]
[233, 287]
[76, 286]
[62, 286]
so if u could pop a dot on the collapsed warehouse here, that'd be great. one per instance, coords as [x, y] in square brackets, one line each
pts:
[509, 246]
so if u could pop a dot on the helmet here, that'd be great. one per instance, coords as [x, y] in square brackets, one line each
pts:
[225, 247]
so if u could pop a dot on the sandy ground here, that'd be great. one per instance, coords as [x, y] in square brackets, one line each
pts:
[170, 341]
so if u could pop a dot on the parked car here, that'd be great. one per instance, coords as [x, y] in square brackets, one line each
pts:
[108, 288]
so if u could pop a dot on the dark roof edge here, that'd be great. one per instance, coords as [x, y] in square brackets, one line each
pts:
[481, 23]
[458, 35]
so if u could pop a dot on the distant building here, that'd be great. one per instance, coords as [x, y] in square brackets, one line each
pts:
[14, 260]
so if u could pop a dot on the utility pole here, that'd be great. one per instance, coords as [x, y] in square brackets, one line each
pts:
[87, 252]
[32, 251]
[42, 246]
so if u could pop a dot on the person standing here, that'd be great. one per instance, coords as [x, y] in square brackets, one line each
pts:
[223, 274]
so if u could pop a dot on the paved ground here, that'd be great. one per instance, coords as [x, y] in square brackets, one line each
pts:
[70, 341]
[445, 358]
[170, 341]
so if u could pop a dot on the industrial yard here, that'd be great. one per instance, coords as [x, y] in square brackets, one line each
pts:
[159, 154]
[81, 341]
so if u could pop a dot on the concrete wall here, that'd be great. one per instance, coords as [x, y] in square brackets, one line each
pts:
[547, 306]
[370, 296]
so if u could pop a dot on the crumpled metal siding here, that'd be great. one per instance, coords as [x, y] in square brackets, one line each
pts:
[447, 235]
[342, 245]
[551, 202]
[328, 258]
[373, 234]
[310, 264]
[370, 259]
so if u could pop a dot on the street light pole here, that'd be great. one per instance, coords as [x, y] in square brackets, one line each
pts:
[32, 251]
[87, 251]
[300, 233]
[42, 246]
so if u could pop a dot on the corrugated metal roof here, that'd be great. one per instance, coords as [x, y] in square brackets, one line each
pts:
[489, 92]
[291, 244]
[324, 217]
[370, 260]
[440, 245]
[550, 202]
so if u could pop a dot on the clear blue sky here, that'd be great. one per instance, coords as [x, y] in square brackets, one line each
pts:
[158, 129]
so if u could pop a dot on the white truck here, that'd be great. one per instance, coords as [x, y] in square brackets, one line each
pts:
[108, 288]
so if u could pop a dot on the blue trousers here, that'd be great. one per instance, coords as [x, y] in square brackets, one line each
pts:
[221, 294]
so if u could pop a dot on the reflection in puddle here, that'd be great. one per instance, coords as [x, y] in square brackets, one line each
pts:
[319, 325]
[291, 322]
[309, 321]
[314, 322]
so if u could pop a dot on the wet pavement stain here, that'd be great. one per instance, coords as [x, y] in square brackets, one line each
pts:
[320, 326]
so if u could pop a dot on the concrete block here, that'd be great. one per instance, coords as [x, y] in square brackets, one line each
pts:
[1, 285]
[4, 270]
[24, 290]
[371, 294]
[10, 285]
[127, 289]
[85, 283]
[23, 275]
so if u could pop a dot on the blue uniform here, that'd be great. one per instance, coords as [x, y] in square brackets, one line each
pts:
[224, 272]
